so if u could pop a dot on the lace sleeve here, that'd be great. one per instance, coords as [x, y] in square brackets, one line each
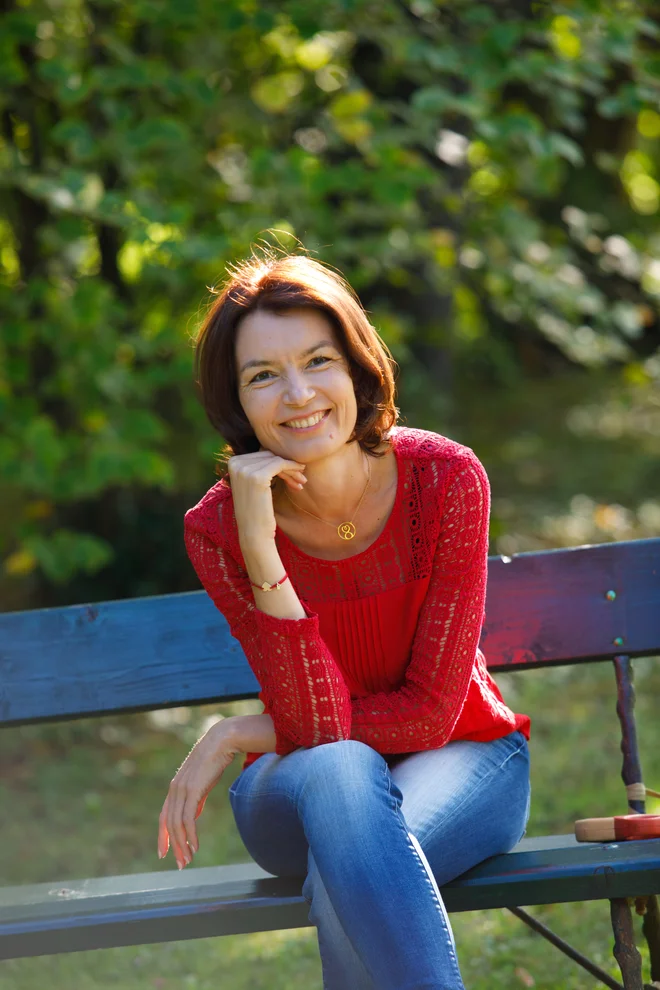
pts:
[422, 712]
[302, 688]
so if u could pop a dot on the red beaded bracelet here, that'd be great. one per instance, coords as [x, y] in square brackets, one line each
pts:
[270, 587]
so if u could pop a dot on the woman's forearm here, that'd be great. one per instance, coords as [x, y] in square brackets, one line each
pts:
[253, 733]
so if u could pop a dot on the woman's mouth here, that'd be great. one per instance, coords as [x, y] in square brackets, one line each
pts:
[312, 423]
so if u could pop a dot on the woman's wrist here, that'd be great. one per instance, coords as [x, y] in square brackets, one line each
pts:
[252, 733]
[260, 559]
[265, 564]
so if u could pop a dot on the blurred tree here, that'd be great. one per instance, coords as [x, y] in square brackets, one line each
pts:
[485, 174]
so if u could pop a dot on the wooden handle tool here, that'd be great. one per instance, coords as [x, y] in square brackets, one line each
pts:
[618, 828]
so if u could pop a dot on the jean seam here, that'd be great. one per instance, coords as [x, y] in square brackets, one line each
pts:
[452, 953]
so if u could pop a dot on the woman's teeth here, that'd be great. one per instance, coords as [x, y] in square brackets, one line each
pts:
[299, 424]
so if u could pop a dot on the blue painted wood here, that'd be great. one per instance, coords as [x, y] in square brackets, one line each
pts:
[167, 650]
[127, 655]
[201, 902]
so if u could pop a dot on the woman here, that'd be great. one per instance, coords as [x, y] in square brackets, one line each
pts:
[349, 557]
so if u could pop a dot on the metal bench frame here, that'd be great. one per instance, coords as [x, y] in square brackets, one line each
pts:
[555, 607]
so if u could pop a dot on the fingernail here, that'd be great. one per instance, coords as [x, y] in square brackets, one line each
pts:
[160, 855]
[179, 864]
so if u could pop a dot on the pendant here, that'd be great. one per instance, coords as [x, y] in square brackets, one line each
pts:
[346, 531]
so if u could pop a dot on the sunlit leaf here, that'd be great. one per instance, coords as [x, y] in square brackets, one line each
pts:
[275, 93]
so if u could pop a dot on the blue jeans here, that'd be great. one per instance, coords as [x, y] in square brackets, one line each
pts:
[375, 836]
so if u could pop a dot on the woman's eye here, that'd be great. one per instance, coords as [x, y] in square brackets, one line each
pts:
[318, 357]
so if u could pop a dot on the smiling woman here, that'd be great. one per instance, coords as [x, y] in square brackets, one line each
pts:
[304, 407]
[297, 391]
[348, 555]
[244, 330]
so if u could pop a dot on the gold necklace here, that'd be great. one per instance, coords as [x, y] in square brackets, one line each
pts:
[345, 530]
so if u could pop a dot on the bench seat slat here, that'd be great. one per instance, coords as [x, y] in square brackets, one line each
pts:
[209, 901]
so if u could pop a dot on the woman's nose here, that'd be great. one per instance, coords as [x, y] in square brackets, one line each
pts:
[298, 389]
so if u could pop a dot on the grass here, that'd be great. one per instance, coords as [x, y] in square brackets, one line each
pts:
[82, 799]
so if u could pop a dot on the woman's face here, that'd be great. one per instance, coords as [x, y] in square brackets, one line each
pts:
[301, 370]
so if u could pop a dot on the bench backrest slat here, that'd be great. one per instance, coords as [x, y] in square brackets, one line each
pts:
[542, 609]
[556, 606]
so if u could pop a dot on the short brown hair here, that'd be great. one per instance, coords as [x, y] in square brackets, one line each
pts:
[274, 283]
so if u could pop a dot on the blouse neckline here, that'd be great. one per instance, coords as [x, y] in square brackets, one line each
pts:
[382, 536]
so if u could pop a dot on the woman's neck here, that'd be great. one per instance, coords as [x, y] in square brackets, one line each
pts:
[334, 485]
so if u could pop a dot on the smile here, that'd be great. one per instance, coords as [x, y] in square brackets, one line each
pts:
[305, 425]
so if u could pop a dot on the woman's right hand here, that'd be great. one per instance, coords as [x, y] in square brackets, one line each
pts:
[251, 477]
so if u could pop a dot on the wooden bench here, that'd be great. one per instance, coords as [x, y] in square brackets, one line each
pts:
[555, 607]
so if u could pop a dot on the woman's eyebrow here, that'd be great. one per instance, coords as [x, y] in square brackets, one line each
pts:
[256, 363]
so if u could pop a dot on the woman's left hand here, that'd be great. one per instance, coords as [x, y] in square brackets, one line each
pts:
[198, 774]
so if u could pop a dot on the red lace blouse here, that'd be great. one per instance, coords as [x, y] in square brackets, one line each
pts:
[388, 651]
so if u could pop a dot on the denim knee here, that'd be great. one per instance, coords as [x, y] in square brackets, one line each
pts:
[344, 765]
[344, 751]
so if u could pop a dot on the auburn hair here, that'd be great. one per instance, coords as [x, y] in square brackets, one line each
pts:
[274, 283]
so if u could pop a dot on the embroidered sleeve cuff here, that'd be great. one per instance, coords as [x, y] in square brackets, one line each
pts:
[307, 627]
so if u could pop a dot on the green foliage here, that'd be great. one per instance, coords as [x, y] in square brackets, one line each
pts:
[486, 177]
